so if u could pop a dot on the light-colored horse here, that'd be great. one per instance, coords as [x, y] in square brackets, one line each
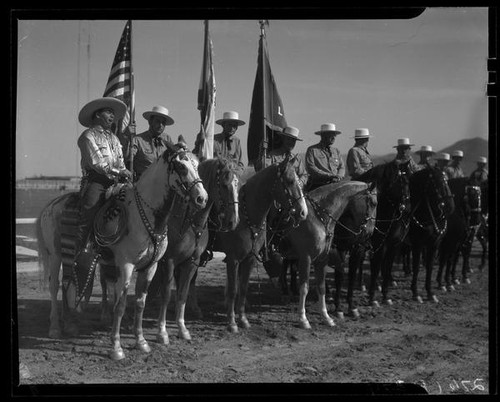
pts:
[311, 240]
[187, 238]
[148, 203]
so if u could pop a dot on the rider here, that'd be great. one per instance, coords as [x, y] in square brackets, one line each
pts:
[442, 161]
[480, 175]
[323, 162]
[403, 155]
[454, 170]
[425, 153]
[148, 146]
[358, 158]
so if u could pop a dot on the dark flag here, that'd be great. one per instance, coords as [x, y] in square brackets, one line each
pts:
[206, 100]
[120, 82]
[266, 112]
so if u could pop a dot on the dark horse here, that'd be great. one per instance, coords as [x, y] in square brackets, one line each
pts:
[352, 236]
[432, 204]
[462, 226]
[392, 224]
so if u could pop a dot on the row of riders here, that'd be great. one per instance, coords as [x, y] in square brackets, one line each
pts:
[175, 210]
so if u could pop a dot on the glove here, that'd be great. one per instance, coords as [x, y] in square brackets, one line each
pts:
[130, 130]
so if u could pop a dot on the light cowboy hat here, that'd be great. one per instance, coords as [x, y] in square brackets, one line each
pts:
[443, 156]
[403, 142]
[86, 113]
[291, 132]
[361, 133]
[230, 116]
[328, 128]
[425, 148]
[159, 111]
[482, 159]
[457, 154]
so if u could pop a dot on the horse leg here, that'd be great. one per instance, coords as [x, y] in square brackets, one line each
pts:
[231, 291]
[192, 297]
[166, 270]
[355, 262]
[144, 278]
[293, 278]
[283, 276]
[375, 264]
[454, 264]
[387, 276]
[54, 266]
[429, 261]
[320, 271]
[244, 276]
[466, 268]
[187, 271]
[304, 273]
[120, 290]
[439, 275]
[416, 249]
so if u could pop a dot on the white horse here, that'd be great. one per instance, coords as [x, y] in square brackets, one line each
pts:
[148, 205]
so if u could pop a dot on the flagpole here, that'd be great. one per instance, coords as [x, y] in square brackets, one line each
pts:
[132, 102]
[264, 137]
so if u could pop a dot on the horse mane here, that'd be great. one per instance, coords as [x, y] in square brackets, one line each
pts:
[209, 167]
[323, 193]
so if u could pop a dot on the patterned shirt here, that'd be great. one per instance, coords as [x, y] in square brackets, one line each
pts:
[323, 162]
[229, 148]
[101, 152]
[276, 156]
[147, 149]
[358, 161]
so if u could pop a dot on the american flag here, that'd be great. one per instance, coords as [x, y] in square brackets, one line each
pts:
[120, 82]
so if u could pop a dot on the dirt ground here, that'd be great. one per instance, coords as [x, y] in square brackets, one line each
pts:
[442, 347]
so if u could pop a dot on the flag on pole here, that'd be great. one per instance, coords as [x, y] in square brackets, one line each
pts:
[120, 82]
[267, 114]
[206, 100]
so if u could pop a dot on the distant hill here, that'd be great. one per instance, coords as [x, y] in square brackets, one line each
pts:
[472, 148]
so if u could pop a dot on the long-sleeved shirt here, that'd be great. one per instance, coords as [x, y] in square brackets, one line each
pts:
[101, 152]
[147, 149]
[412, 166]
[454, 172]
[358, 161]
[480, 175]
[276, 156]
[323, 162]
[230, 148]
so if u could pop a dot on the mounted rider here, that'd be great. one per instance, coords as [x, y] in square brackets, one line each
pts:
[358, 158]
[480, 174]
[454, 170]
[442, 160]
[425, 152]
[403, 156]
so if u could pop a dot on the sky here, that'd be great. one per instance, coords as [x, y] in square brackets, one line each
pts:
[422, 78]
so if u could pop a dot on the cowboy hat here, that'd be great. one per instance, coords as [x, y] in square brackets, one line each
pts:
[443, 156]
[457, 154]
[159, 111]
[291, 132]
[482, 159]
[230, 116]
[328, 128]
[85, 116]
[361, 133]
[425, 148]
[403, 142]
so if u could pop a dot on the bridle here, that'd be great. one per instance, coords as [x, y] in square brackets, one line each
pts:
[222, 205]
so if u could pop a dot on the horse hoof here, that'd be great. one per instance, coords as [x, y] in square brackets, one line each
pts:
[244, 323]
[442, 288]
[162, 339]
[143, 346]
[456, 282]
[184, 335]
[375, 304]
[451, 288]
[379, 288]
[355, 313]
[388, 302]
[418, 299]
[434, 299]
[394, 284]
[117, 354]
[340, 315]
[232, 328]
[304, 324]
[467, 281]
[329, 321]
[363, 288]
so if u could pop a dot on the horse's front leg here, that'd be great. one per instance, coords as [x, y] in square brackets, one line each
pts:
[144, 278]
[55, 328]
[244, 271]
[336, 259]
[355, 262]
[192, 305]
[416, 250]
[166, 270]
[429, 262]
[320, 271]
[184, 273]
[231, 291]
[120, 290]
[304, 273]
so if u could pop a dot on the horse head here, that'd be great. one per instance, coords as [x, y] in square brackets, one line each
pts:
[437, 190]
[290, 192]
[183, 178]
[222, 182]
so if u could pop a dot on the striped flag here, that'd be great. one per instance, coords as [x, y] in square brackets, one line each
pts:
[120, 82]
[206, 100]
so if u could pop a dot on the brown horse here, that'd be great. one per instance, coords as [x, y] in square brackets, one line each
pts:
[148, 207]
[188, 237]
[276, 184]
[310, 241]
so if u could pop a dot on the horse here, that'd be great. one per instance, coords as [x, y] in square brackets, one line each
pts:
[462, 226]
[432, 204]
[147, 209]
[188, 237]
[310, 241]
[352, 236]
[276, 184]
[392, 223]
[482, 231]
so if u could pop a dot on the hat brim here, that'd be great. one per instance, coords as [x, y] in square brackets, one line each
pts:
[85, 115]
[289, 136]
[147, 115]
[237, 121]
[404, 145]
[420, 151]
[363, 137]
[334, 132]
